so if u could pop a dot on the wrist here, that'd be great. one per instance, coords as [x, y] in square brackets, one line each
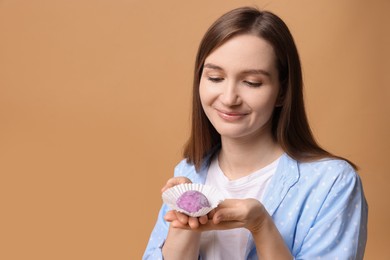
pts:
[264, 225]
[269, 242]
[181, 244]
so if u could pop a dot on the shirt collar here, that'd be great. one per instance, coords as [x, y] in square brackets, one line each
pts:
[286, 175]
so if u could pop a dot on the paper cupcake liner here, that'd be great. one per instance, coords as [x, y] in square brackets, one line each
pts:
[214, 197]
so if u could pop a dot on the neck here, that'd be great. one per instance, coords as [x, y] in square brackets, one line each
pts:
[239, 158]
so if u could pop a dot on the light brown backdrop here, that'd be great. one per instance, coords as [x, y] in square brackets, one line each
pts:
[94, 110]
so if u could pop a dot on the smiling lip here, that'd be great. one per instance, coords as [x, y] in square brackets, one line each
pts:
[231, 116]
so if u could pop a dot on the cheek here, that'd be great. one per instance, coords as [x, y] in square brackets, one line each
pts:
[265, 102]
[201, 94]
[204, 93]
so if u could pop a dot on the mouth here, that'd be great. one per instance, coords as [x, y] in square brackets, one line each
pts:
[231, 115]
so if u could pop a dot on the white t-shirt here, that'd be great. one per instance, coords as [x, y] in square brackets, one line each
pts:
[231, 244]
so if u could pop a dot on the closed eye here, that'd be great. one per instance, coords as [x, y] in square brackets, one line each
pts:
[215, 79]
[253, 84]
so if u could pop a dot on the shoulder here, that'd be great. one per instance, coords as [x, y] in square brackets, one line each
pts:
[322, 175]
[328, 168]
[329, 175]
[317, 170]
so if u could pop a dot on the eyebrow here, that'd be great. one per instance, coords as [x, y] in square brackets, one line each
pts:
[250, 71]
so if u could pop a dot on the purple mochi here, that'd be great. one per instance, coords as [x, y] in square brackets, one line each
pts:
[192, 201]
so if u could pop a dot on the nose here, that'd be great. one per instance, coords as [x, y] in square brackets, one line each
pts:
[230, 95]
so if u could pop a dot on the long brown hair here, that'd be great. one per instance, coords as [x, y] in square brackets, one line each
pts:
[290, 126]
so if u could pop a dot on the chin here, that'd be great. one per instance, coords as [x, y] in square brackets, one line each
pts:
[232, 134]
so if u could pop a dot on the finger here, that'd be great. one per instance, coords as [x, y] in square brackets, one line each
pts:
[203, 219]
[220, 226]
[211, 214]
[224, 214]
[175, 181]
[170, 216]
[178, 224]
[193, 222]
[173, 215]
[228, 203]
[224, 211]
[183, 218]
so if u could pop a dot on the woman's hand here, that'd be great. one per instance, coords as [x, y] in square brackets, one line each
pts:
[179, 219]
[239, 213]
[181, 244]
[231, 213]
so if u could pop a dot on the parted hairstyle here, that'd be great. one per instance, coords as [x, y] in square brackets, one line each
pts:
[290, 127]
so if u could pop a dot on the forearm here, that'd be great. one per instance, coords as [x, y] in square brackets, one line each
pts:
[269, 242]
[181, 244]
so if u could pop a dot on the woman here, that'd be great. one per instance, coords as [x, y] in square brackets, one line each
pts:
[286, 197]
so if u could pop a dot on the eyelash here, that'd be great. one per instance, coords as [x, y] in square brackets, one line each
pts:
[253, 84]
[248, 83]
[215, 80]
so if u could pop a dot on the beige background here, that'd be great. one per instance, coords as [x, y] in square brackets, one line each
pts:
[94, 110]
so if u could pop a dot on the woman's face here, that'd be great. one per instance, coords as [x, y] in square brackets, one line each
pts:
[239, 87]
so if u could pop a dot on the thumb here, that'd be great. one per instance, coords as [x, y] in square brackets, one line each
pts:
[224, 214]
[225, 211]
[175, 181]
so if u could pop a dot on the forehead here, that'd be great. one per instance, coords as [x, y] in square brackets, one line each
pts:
[244, 52]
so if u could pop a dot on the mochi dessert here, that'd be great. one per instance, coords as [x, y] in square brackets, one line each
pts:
[192, 201]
